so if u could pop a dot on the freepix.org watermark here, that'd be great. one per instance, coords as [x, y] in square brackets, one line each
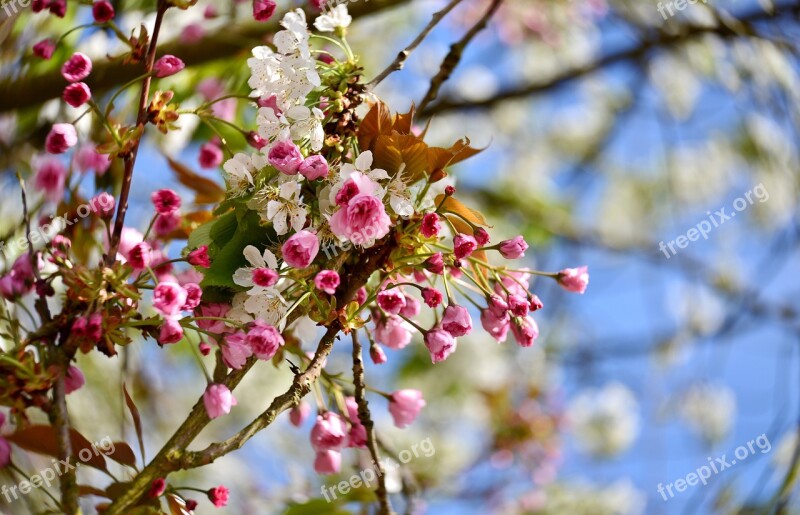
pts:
[714, 220]
[714, 467]
[368, 476]
[47, 476]
[678, 5]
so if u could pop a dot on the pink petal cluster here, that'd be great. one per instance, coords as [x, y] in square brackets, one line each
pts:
[327, 281]
[264, 340]
[392, 301]
[219, 495]
[44, 49]
[263, 9]
[102, 11]
[19, 280]
[514, 248]
[300, 249]
[168, 65]
[405, 405]
[77, 67]
[430, 226]
[73, 379]
[61, 138]
[169, 298]
[285, 157]
[77, 94]
[210, 156]
[314, 167]
[328, 436]
[574, 279]
[218, 400]
[362, 218]
[50, 178]
[199, 257]
[456, 321]
[88, 158]
[393, 332]
[440, 344]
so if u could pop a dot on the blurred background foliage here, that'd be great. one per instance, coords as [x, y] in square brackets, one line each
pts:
[609, 128]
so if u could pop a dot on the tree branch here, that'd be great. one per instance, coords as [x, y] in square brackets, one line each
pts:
[400, 60]
[366, 420]
[452, 59]
[25, 92]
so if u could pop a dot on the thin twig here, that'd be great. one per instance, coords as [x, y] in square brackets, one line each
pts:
[400, 60]
[366, 420]
[454, 56]
[141, 120]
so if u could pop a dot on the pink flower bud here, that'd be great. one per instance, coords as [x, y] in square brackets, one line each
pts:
[464, 245]
[102, 11]
[514, 248]
[299, 413]
[300, 249]
[377, 355]
[73, 379]
[412, 307]
[440, 344]
[140, 256]
[218, 400]
[171, 332]
[535, 303]
[481, 236]
[456, 321]
[430, 226]
[199, 257]
[496, 326]
[168, 65]
[256, 141]
[103, 204]
[204, 348]
[314, 167]
[450, 190]
[328, 462]
[157, 487]
[361, 296]
[392, 301]
[210, 156]
[432, 297]
[285, 157]
[218, 495]
[264, 339]
[166, 201]
[435, 263]
[329, 432]
[61, 138]
[393, 332]
[263, 9]
[193, 296]
[525, 331]
[235, 351]
[518, 305]
[405, 405]
[44, 49]
[327, 281]
[574, 279]
[168, 298]
[167, 223]
[77, 67]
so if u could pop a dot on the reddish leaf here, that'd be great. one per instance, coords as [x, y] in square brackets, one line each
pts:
[454, 206]
[208, 191]
[137, 419]
[42, 439]
[443, 157]
[123, 454]
[377, 121]
[403, 122]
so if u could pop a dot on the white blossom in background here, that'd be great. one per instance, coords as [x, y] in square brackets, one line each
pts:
[338, 17]
[709, 410]
[605, 421]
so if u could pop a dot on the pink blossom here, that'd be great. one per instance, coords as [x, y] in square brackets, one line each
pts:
[171, 332]
[192, 33]
[329, 432]
[412, 307]
[430, 226]
[50, 179]
[77, 67]
[391, 301]
[525, 331]
[432, 297]
[393, 332]
[481, 236]
[361, 296]
[210, 156]
[285, 157]
[73, 379]
[514, 248]
[497, 305]
[102, 11]
[140, 256]
[169, 298]
[204, 348]
[263, 9]
[44, 49]
[214, 310]
[167, 65]
[440, 344]
[157, 487]
[347, 192]
[314, 167]
[328, 462]
[535, 303]
[265, 277]
[456, 320]
[299, 413]
[87, 158]
[362, 220]
[357, 436]
[435, 264]
[77, 94]
[193, 295]
[199, 257]
[574, 280]
[165, 224]
[235, 351]
[256, 141]
[518, 305]
[496, 326]
[61, 138]
[166, 201]
[405, 405]
[218, 400]
[300, 249]
[270, 101]
[327, 281]
[464, 245]
[219, 495]
[450, 190]
[264, 339]
[377, 355]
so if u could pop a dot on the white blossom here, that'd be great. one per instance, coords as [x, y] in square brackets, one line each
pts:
[288, 209]
[338, 17]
